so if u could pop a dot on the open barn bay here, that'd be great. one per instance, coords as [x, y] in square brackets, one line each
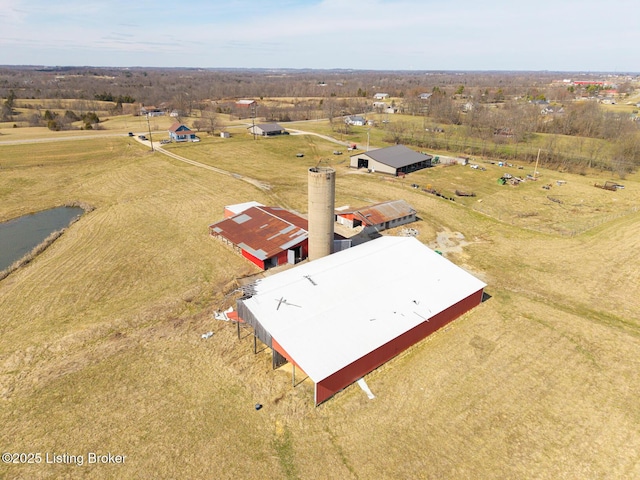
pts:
[101, 348]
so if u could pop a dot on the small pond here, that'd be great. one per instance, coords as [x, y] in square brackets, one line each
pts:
[21, 235]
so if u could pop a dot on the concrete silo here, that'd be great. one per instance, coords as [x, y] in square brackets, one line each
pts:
[322, 187]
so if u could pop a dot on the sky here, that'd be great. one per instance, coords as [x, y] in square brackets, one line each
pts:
[532, 35]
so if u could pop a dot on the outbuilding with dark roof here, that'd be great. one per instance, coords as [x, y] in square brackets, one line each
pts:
[266, 129]
[395, 160]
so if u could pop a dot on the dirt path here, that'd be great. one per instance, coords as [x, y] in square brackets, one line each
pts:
[325, 137]
[252, 181]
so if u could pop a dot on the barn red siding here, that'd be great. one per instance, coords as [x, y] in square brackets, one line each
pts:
[356, 370]
[282, 257]
[255, 260]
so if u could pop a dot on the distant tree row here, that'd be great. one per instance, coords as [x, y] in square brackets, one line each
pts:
[109, 97]
[155, 86]
[7, 107]
[56, 122]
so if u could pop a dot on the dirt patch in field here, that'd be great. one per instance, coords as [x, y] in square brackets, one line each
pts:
[449, 242]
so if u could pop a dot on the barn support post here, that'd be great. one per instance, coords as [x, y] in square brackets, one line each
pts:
[255, 343]
[293, 375]
[238, 324]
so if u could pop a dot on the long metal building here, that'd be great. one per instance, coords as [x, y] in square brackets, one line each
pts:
[343, 315]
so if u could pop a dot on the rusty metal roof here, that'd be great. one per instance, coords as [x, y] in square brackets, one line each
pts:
[263, 231]
[383, 212]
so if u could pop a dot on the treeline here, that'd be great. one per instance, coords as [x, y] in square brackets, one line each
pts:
[606, 141]
[55, 121]
[153, 86]
[109, 97]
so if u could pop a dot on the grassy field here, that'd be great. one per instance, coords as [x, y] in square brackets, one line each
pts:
[101, 348]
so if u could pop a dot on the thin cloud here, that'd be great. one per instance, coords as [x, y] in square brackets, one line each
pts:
[374, 34]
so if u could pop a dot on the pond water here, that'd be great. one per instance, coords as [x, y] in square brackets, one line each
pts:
[21, 235]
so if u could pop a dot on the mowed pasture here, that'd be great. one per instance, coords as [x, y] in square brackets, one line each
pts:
[101, 348]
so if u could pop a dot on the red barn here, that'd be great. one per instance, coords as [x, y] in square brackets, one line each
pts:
[342, 316]
[268, 236]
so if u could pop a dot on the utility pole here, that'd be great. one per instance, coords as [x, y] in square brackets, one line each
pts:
[535, 170]
[149, 127]
[253, 119]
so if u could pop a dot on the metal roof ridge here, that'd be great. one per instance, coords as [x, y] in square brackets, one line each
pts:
[279, 218]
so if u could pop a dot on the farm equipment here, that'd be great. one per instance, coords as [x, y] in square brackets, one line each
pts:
[465, 194]
[608, 185]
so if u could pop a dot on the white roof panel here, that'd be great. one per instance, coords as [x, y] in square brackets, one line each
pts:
[241, 207]
[330, 312]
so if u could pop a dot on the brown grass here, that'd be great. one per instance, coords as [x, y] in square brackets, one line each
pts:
[101, 348]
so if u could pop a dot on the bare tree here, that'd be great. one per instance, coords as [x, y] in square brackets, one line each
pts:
[330, 108]
[396, 131]
[208, 121]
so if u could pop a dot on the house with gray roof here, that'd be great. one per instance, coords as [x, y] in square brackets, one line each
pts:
[356, 120]
[396, 160]
[266, 129]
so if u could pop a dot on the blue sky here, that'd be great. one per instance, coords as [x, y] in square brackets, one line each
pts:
[564, 35]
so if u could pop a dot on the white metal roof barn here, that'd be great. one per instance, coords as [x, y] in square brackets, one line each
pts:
[341, 316]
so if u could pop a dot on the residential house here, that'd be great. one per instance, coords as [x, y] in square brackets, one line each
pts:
[355, 120]
[151, 111]
[181, 133]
